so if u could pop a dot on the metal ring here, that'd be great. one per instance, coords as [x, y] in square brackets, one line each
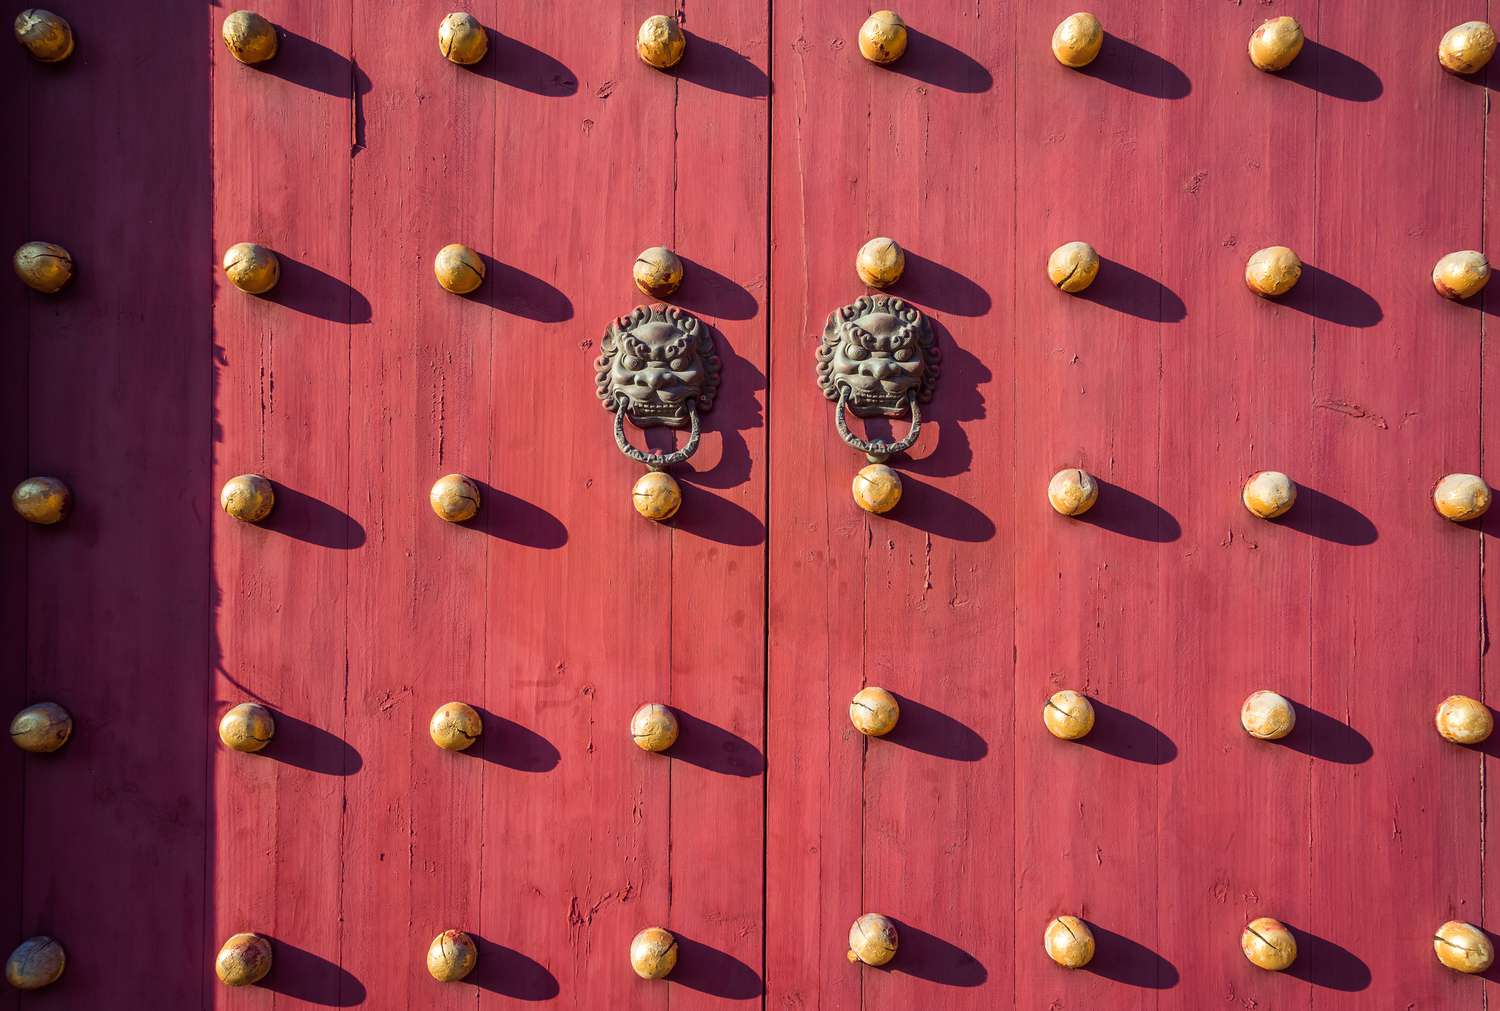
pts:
[879, 451]
[656, 461]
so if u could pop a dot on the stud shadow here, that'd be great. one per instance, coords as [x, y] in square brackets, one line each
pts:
[928, 508]
[736, 411]
[312, 65]
[1126, 65]
[512, 290]
[1122, 511]
[513, 63]
[1325, 517]
[304, 518]
[1323, 963]
[1123, 960]
[505, 742]
[707, 292]
[1479, 303]
[1320, 736]
[509, 973]
[932, 285]
[508, 518]
[713, 748]
[1122, 735]
[714, 972]
[711, 65]
[1332, 73]
[1323, 296]
[301, 975]
[306, 289]
[305, 746]
[1125, 289]
[927, 956]
[958, 399]
[936, 63]
[713, 518]
[922, 728]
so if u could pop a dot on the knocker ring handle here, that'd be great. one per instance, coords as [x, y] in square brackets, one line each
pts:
[656, 461]
[879, 451]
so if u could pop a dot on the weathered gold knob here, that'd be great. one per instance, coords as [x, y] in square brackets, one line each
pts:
[1276, 43]
[660, 42]
[41, 728]
[1461, 274]
[1269, 494]
[653, 953]
[1465, 49]
[49, 38]
[36, 962]
[657, 271]
[249, 37]
[462, 39]
[454, 498]
[44, 266]
[1272, 271]
[1463, 946]
[1073, 266]
[657, 496]
[251, 268]
[458, 268]
[1068, 715]
[247, 727]
[1073, 491]
[654, 727]
[42, 500]
[1268, 944]
[873, 940]
[248, 497]
[1076, 41]
[451, 956]
[877, 488]
[455, 726]
[1461, 497]
[880, 262]
[882, 38]
[1069, 942]
[1464, 720]
[244, 960]
[874, 711]
[1267, 715]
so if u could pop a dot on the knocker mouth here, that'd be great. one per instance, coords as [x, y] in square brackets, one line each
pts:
[657, 408]
[876, 395]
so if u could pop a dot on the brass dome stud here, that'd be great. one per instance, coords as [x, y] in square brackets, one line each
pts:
[462, 39]
[1072, 491]
[1269, 494]
[451, 956]
[653, 953]
[36, 962]
[455, 726]
[1463, 946]
[249, 37]
[1068, 715]
[49, 37]
[880, 262]
[1072, 267]
[1069, 942]
[874, 711]
[1267, 716]
[43, 266]
[1273, 271]
[1466, 48]
[660, 41]
[882, 38]
[657, 496]
[654, 727]
[454, 498]
[41, 728]
[1461, 275]
[1464, 720]
[1276, 43]
[244, 960]
[251, 268]
[247, 727]
[873, 940]
[247, 498]
[458, 268]
[42, 500]
[1461, 497]
[657, 272]
[877, 488]
[1268, 944]
[1076, 41]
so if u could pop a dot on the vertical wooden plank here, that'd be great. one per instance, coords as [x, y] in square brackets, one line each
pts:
[281, 409]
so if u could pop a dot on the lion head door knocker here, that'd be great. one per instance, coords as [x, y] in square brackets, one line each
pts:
[878, 359]
[658, 366]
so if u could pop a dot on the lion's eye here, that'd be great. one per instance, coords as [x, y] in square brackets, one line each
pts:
[678, 364]
[856, 352]
[904, 353]
[633, 363]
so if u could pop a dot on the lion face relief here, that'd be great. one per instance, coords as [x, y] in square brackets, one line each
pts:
[877, 352]
[657, 362]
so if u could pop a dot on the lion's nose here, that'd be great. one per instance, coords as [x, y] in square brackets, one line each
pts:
[656, 379]
[879, 368]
